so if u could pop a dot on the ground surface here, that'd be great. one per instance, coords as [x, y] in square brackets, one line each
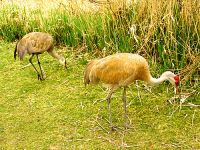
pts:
[60, 113]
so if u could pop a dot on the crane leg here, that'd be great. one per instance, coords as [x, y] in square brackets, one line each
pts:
[109, 110]
[40, 67]
[30, 60]
[125, 112]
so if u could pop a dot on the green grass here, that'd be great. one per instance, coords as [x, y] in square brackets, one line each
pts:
[61, 113]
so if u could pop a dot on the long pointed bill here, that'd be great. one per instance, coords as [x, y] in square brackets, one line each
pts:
[176, 90]
[65, 64]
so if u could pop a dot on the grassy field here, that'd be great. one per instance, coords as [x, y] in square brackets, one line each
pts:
[60, 113]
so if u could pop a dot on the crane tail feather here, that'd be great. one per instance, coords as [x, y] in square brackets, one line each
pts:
[86, 76]
[15, 51]
[88, 71]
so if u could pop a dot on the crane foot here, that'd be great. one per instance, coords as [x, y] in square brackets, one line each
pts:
[113, 128]
[40, 78]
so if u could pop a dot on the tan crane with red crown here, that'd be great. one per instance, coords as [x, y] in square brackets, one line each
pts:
[120, 70]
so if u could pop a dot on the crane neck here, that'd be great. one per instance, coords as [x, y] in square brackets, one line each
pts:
[61, 59]
[156, 81]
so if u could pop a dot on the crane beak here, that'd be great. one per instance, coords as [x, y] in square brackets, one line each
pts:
[177, 90]
[65, 64]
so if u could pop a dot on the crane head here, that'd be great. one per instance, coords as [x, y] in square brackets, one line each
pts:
[177, 82]
[173, 79]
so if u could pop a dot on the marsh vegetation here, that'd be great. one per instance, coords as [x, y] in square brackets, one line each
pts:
[60, 113]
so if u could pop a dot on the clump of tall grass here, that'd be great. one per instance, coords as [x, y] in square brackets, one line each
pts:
[166, 30]
[169, 30]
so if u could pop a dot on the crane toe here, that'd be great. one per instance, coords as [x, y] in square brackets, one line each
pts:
[127, 126]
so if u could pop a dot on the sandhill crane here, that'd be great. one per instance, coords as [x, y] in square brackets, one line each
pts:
[36, 43]
[120, 70]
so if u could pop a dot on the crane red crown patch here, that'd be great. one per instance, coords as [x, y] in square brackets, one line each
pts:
[177, 80]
